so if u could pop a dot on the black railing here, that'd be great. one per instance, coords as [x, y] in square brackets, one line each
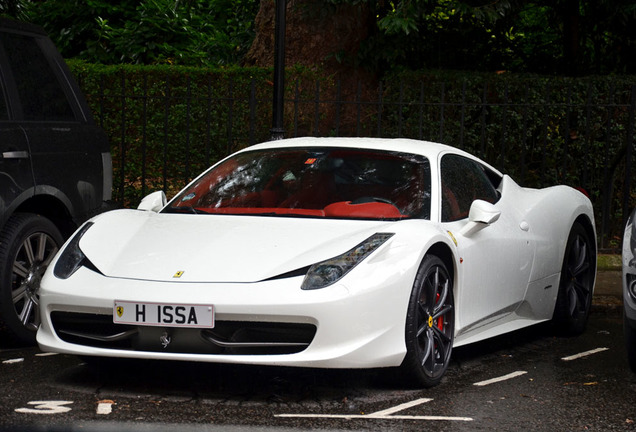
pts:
[541, 132]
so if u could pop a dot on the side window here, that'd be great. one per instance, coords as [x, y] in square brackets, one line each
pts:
[41, 95]
[463, 181]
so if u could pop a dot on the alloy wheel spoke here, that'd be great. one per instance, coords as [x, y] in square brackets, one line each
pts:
[429, 347]
[441, 336]
[423, 310]
[27, 310]
[442, 299]
[28, 249]
[581, 292]
[443, 311]
[580, 261]
[443, 345]
[20, 270]
[435, 281]
[421, 329]
[50, 256]
[572, 299]
[19, 293]
[42, 240]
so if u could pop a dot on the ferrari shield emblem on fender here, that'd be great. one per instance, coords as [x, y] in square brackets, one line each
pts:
[178, 274]
[120, 311]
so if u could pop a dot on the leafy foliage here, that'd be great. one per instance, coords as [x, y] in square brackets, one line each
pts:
[571, 37]
[189, 32]
[542, 36]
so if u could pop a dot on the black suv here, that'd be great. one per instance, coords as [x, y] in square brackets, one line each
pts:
[55, 168]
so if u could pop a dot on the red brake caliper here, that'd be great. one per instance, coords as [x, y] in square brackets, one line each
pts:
[440, 319]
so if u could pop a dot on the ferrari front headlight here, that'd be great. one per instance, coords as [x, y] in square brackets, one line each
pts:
[72, 257]
[327, 272]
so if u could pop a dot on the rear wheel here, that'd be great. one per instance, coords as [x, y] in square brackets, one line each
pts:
[28, 243]
[430, 324]
[576, 284]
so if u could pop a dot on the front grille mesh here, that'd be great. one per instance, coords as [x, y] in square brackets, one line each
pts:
[227, 337]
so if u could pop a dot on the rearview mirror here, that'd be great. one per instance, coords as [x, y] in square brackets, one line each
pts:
[153, 202]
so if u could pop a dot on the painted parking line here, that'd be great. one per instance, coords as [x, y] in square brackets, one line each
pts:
[46, 354]
[386, 414]
[584, 354]
[105, 407]
[46, 407]
[15, 360]
[499, 379]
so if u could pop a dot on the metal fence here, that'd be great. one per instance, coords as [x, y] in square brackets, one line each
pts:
[542, 132]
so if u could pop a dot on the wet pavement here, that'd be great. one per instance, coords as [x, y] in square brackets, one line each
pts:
[531, 379]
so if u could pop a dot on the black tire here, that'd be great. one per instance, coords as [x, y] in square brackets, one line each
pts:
[630, 342]
[28, 243]
[430, 325]
[576, 285]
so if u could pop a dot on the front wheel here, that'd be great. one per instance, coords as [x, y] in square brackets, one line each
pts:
[430, 324]
[28, 243]
[574, 299]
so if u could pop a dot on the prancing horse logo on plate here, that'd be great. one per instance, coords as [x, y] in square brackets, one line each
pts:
[120, 311]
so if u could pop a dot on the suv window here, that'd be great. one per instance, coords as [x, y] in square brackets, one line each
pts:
[39, 90]
[463, 181]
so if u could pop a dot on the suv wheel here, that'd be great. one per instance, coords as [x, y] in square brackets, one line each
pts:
[28, 243]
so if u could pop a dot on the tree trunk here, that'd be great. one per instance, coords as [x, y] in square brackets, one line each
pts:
[324, 38]
[571, 37]
[316, 33]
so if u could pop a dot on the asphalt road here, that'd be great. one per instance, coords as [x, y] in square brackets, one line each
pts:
[528, 380]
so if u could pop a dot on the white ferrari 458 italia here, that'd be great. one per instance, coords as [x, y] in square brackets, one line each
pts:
[325, 252]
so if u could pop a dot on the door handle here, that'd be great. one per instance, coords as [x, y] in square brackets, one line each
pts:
[15, 155]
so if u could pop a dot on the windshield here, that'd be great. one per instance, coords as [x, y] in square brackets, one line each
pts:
[319, 182]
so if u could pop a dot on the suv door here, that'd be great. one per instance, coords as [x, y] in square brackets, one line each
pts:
[16, 174]
[60, 138]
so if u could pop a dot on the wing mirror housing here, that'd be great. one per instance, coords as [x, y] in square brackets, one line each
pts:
[153, 202]
[481, 214]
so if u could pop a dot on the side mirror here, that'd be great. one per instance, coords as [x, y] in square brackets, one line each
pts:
[153, 202]
[481, 215]
[483, 212]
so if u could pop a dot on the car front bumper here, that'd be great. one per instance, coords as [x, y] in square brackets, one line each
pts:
[358, 325]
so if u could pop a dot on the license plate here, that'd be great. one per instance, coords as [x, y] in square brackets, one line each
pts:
[162, 314]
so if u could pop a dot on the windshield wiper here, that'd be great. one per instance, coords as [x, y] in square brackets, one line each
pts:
[184, 209]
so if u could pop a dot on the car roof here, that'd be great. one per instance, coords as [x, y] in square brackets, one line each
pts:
[430, 150]
[20, 26]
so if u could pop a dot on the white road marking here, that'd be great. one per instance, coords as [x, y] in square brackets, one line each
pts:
[104, 408]
[369, 416]
[400, 407]
[46, 354]
[384, 414]
[499, 379]
[584, 354]
[11, 361]
[46, 407]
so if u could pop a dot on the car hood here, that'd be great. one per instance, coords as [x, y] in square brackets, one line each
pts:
[216, 248]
